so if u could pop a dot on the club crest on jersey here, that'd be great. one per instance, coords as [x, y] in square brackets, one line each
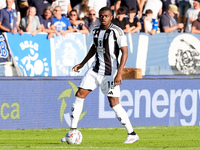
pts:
[106, 35]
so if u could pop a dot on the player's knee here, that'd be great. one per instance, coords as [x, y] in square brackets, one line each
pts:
[113, 104]
[113, 101]
[81, 93]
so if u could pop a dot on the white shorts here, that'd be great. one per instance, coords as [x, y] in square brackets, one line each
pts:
[92, 80]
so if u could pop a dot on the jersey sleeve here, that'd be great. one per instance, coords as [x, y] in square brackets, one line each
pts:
[121, 38]
[155, 24]
[68, 23]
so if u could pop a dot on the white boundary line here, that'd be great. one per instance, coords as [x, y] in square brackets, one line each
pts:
[88, 147]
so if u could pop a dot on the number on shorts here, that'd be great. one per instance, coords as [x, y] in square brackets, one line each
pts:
[110, 84]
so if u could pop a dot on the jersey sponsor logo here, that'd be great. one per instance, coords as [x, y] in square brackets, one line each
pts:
[100, 50]
[100, 43]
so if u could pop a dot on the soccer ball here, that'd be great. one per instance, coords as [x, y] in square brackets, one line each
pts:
[74, 137]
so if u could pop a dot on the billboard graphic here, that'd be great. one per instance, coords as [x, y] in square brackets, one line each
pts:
[64, 96]
[161, 54]
[4, 50]
[68, 51]
[47, 102]
[184, 54]
[32, 53]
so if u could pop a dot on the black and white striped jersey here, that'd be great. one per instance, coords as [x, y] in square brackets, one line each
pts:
[107, 43]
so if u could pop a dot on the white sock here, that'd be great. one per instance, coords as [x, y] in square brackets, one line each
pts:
[123, 117]
[76, 111]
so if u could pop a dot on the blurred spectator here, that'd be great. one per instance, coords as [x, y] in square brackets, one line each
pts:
[3, 4]
[196, 25]
[191, 15]
[8, 19]
[75, 2]
[16, 7]
[168, 23]
[40, 5]
[111, 4]
[150, 24]
[154, 5]
[23, 7]
[134, 22]
[65, 6]
[77, 25]
[31, 23]
[166, 3]
[121, 21]
[96, 5]
[91, 21]
[183, 7]
[83, 9]
[125, 4]
[61, 23]
[46, 22]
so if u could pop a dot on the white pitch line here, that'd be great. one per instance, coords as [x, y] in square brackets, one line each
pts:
[90, 147]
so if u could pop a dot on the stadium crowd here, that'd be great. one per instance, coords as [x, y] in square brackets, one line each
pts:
[65, 16]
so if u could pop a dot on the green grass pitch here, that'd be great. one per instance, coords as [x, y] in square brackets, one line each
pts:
[151, 138]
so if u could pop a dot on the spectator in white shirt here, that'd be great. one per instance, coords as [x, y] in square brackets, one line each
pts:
[191, 15]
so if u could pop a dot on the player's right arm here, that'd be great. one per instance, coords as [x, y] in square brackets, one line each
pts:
[85, 60]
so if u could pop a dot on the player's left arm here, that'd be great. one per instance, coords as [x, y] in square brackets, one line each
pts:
[118, 78]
